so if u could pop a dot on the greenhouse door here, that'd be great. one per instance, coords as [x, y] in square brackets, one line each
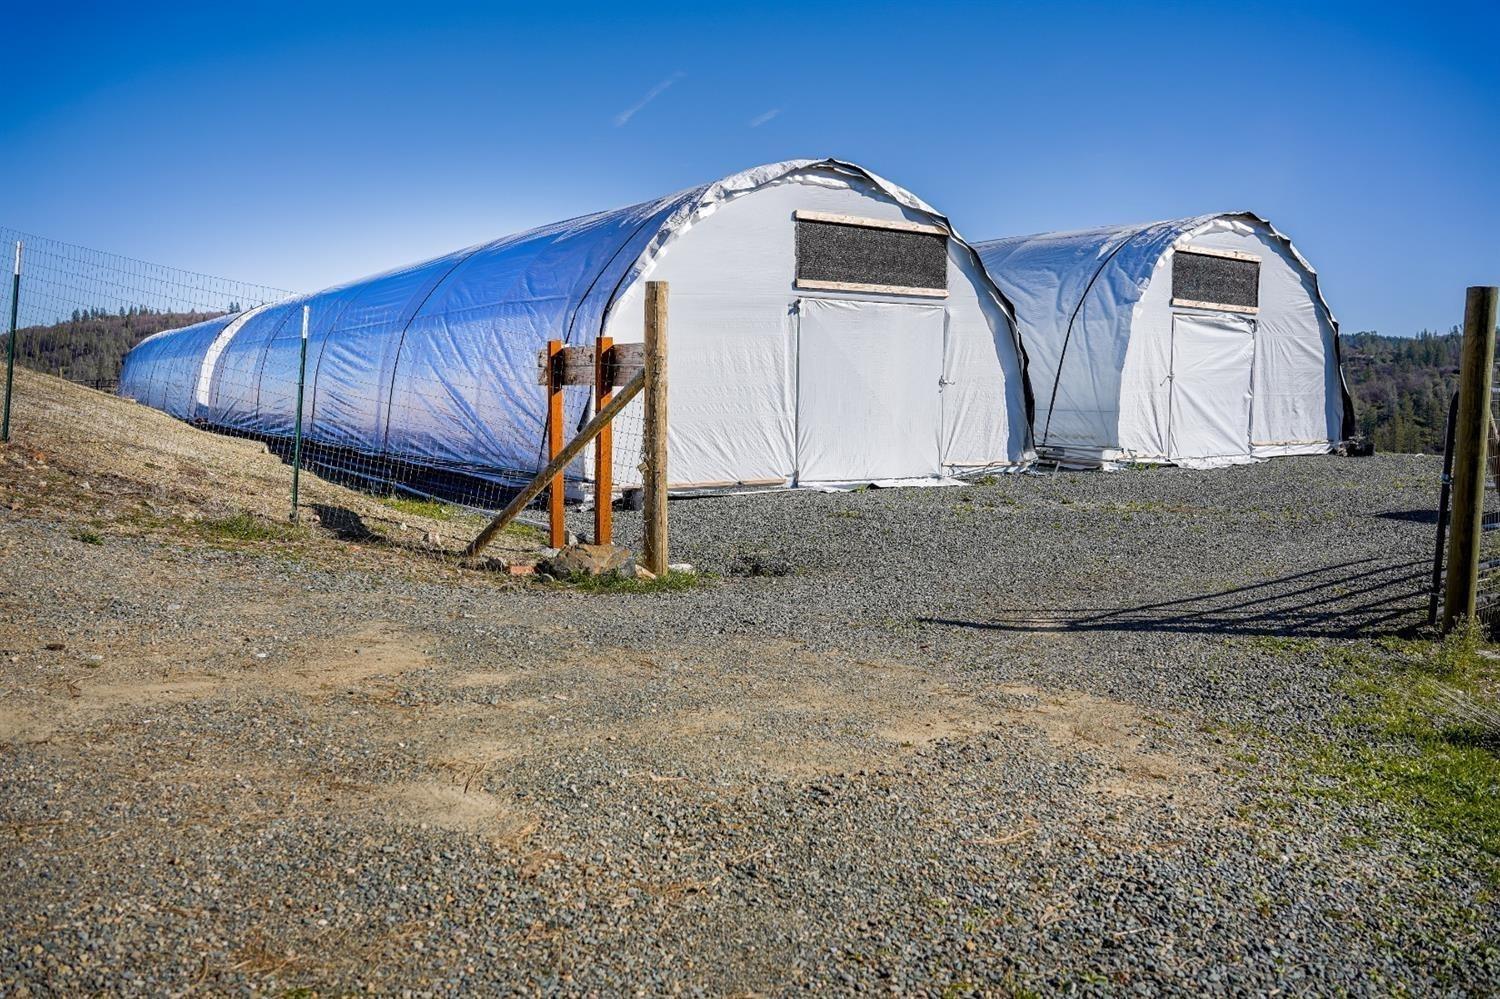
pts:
[1212, 359]
[868, 390]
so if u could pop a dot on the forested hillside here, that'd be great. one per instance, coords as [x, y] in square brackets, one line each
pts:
[89, 346]
[1401, 387]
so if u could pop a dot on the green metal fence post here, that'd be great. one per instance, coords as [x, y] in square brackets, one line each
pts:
[297, 439]
[10, 350]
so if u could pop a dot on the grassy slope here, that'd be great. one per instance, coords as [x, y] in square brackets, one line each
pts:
[114, 468]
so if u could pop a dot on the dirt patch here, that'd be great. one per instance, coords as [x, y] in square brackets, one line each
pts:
[453, 807]
[66, 701]
[934, 713]
[376, 651]
[102, 698]
[774, 720]
[486, 679]
[64, 704]
[1110, 730]
[19, 726]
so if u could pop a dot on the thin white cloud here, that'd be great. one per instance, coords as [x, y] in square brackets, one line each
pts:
[623, 118]
[764, 117]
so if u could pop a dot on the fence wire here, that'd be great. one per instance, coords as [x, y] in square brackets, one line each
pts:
[82, 310]
[1487, 604]
[1487, 585]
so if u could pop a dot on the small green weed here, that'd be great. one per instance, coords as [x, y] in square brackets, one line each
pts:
[1150, 506]
[89, 536]
[247, 527]
[1281, 646]
[413, 507]
[525, 532]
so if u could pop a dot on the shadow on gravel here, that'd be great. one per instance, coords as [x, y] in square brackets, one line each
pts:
[1364, 598]
[344, 524]
[1410, 516]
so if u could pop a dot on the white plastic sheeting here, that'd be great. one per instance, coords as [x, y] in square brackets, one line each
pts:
[888, 362]
[1212, 357]
[1107, 346]
[435, 364]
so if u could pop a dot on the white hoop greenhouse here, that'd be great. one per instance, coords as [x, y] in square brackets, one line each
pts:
[1201, 342]
[826, 327]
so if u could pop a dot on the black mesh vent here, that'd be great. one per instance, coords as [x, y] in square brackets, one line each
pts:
[1212, 280]
[854, 254]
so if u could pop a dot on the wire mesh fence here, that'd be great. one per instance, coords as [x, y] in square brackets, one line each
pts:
[1488, 583]
[81, 310]
[235, 358]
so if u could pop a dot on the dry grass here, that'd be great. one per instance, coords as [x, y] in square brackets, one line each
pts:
[117, 468]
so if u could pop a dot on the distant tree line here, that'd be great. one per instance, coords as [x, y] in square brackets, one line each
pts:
[91, 345]
[1402, 386]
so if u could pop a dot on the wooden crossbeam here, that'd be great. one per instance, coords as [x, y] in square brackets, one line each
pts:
[556, 465]
[575, 365]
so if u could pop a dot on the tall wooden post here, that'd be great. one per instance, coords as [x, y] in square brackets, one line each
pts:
[604, 450]
[654, 479]
[558, 526]
[1470, 439]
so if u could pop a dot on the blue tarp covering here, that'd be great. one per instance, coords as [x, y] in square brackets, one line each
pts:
[433, 363]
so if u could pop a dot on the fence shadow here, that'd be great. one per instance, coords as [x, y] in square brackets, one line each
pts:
[1411, 516]
[1362, 598]
[345, 524]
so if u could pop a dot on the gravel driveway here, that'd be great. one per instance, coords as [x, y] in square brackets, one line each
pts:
[1039, 734]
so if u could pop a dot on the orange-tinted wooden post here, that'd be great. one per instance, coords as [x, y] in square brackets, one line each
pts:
[558, 535]
[604, 455]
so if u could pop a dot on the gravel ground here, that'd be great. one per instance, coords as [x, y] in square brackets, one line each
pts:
[1034, 735]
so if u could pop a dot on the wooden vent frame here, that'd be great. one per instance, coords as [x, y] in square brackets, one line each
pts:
[894, 225]
[1207, 251]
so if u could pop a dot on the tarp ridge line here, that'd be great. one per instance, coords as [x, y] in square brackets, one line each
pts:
[390, 396]
[260, 367]
[1062, 355]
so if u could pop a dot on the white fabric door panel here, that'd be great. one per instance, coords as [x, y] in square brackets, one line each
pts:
[1212, 360]
[1291, 385]
[869, 402]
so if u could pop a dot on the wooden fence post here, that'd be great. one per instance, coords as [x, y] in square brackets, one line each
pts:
[654, 479]
[604, 455]
[558, 526]
[575, 447]
[1470, 439]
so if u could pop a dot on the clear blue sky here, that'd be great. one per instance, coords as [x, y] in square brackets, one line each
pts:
[298, 147]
